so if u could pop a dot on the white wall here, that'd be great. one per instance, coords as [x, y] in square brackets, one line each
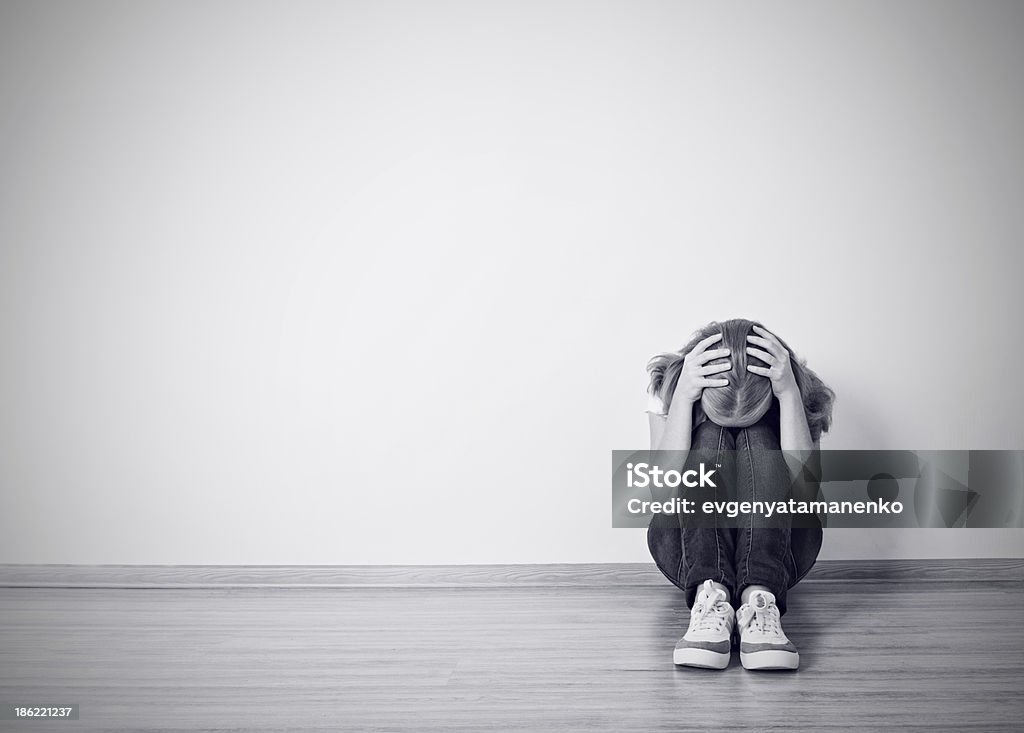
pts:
[375, 282]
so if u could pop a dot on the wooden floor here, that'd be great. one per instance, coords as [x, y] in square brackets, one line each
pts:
[874, 656]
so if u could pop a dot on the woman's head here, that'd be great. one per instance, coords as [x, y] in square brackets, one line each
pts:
[748, 396]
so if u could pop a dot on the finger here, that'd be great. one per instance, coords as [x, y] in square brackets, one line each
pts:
[762, 355]
[714, 383]
[706, 342]
[763, 371]
[771, 346]
[711, 355]
[715, 368]
[771, 337]
[766, 333]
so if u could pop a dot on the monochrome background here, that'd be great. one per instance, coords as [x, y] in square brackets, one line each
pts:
[372, 282]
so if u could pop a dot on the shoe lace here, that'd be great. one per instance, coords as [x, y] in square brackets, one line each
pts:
[764, 618]
[708, 616]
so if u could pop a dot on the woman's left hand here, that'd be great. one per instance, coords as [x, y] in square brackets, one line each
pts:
[773, 353]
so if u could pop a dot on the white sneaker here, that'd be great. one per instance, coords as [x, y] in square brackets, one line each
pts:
[708, 641]
[763, 643]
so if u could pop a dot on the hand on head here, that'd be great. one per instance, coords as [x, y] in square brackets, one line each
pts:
[697, 372]
[778, 359]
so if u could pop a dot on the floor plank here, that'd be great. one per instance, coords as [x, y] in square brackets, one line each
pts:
[874, 656]
[468, 576]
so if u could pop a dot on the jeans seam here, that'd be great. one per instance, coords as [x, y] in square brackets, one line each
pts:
[753, 497]
[718, 543]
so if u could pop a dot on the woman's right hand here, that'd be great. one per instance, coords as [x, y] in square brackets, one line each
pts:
[696, 373]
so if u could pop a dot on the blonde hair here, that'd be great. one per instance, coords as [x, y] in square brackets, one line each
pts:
[748, 397]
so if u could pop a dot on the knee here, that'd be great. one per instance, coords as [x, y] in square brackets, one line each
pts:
[759, 435]
[710, 435]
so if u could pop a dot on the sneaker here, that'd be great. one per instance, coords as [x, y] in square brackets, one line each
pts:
[763, 643]
[708, 641]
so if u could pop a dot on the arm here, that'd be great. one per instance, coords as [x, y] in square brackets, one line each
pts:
[794, 434]
[657, 425]
[795, 439]
[672, 432]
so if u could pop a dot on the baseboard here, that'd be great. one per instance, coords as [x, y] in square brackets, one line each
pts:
[470, 576]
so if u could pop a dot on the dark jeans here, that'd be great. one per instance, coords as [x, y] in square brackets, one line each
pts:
[755, 553]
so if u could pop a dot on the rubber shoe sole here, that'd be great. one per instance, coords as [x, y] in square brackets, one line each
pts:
[770, 659]
[703, 658]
